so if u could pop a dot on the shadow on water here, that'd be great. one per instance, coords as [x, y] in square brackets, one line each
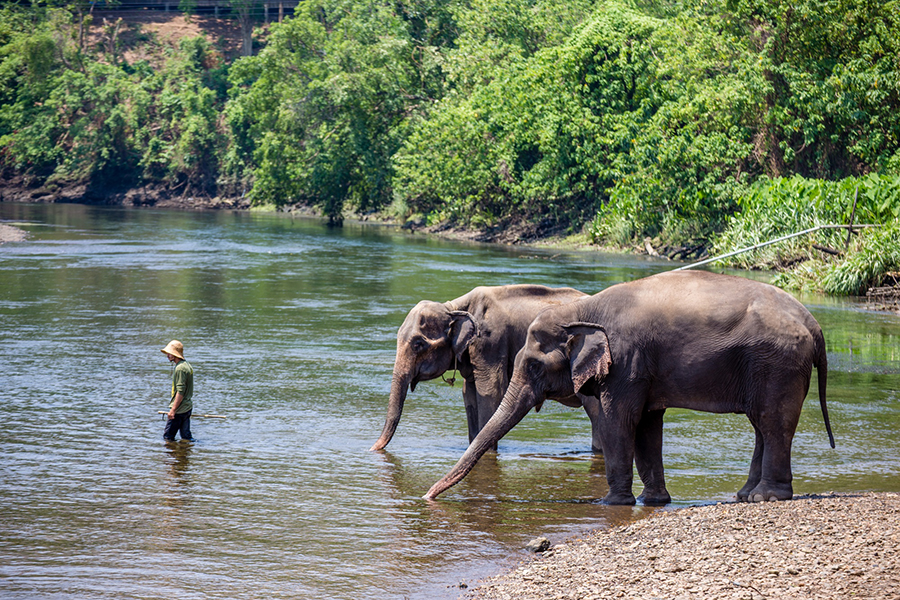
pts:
[291, 329]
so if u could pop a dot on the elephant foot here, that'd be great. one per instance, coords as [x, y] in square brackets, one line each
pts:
[655, 498]
[767, 493]
[626, 499]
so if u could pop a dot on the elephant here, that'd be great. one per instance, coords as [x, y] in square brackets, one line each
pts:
[477, 334]
[679, 339]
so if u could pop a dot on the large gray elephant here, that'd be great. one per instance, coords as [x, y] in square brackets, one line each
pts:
[477, 334]
[694, 340]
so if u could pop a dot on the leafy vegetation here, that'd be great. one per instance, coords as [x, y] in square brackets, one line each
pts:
[69, 116]
[828, 259]
[715, 124]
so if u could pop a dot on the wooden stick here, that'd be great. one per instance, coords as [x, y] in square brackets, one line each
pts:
[165, 412]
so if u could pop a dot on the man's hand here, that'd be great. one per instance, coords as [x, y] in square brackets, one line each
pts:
[176, 402]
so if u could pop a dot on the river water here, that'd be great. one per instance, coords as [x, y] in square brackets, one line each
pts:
[291, 329]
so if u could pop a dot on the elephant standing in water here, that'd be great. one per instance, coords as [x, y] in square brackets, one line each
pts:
[694, 340]
[477, 334]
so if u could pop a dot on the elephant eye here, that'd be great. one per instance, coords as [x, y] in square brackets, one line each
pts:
[419, 345]
[533, 369]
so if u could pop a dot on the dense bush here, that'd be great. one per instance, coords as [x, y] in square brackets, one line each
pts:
[876, 254]
[830, 259]
[70, 114]
[318, 115]
[538, 138]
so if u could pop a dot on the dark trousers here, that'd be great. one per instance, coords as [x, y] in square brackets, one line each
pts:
[181, 424]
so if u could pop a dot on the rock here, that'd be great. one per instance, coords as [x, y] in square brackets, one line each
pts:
[537, 545]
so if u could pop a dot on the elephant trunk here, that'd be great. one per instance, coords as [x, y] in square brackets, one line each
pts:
[399, 387]
[512, 410]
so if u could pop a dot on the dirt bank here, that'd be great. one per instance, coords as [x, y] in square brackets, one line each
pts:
[18, 189]
[813, 547]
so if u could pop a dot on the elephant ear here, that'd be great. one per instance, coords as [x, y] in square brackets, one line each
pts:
[589, 354]
[462, 331]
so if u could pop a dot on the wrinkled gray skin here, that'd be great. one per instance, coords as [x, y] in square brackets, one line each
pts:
[694, 340]
[479, 335]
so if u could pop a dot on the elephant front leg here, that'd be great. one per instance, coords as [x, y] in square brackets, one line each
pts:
[648, 458]
[479, 409]
[470, 401]
[618, 453]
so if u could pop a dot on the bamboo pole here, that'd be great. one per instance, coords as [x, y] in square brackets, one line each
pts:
[770, 242]
[852, 216]
[165, 412]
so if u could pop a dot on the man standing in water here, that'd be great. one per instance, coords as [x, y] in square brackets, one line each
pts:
[179, 417]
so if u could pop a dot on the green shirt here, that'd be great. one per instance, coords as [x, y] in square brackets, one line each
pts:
[183, 381]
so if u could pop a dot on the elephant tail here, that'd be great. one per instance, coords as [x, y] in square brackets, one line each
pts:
[821, 363]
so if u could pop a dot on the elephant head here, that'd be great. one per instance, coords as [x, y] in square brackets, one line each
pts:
[431, 341]
[557, 361]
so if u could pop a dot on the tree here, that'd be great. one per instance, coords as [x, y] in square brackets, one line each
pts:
[244, 11]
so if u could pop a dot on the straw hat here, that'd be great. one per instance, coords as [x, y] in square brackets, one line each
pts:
[175, 348]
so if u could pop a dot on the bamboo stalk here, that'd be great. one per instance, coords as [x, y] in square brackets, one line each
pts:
[852, 216]
[165, 412]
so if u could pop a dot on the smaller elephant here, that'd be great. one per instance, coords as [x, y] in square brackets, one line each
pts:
[477, 334]
[693, 340]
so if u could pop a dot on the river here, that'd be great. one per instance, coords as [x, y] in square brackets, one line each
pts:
[291, 329]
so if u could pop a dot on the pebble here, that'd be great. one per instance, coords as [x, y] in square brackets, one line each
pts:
[815, 547]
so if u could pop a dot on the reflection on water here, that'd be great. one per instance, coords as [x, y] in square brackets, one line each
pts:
[291, 330]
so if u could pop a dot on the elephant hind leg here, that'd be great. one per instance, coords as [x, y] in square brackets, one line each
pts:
[591, 406]
[775, 482]
[743, 494]
[775, 429]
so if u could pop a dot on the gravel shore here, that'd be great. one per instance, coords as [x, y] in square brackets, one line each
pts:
[8, 233]
[815, 547]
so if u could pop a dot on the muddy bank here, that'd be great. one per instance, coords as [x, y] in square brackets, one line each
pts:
[812, 547]
[16, 189]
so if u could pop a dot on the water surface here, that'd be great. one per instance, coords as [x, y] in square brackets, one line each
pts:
[291, 329]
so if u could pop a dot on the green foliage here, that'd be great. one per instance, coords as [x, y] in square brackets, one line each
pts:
[727, 120]
[764, 87]
[68, 116]
[877, 253]
[532, 140]
[831, 71]
[319, 113]
[776, 208]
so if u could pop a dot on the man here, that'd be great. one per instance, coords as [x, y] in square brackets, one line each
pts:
[179, 417]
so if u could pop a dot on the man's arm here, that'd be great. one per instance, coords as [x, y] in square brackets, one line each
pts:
[175, 404]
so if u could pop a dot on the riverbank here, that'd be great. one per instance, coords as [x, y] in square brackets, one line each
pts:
[813, 547]
[522, 233]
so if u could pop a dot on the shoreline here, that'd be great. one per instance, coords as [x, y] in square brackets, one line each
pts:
[505, 234]
[811, 547]
[522, 234]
